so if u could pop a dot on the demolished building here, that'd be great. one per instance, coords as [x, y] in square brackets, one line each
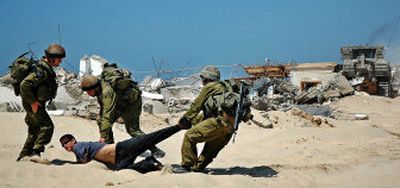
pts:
[91, 65]
[307, 75]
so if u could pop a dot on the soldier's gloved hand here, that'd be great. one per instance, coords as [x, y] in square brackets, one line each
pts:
[184, 123]
[35, 106]
[102, 140]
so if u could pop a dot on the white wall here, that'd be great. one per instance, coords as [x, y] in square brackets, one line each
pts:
[323, 76]
[91, 65]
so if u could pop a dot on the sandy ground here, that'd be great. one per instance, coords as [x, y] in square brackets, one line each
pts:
[295, 153]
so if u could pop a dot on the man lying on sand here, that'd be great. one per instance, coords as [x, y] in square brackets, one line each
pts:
[123, 154]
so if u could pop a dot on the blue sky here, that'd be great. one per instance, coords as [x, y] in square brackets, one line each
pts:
[188, 33]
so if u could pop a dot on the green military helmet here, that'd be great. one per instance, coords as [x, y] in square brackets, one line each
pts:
[55, 51]
[89, 82]
[210, 73]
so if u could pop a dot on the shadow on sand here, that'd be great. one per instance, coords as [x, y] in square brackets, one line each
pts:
[60, 162]
[257, 171]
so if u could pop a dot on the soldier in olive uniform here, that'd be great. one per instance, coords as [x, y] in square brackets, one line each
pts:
[214, 128]
[113, 104]
[36, 89]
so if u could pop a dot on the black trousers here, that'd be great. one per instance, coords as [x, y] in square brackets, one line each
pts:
[128, 150]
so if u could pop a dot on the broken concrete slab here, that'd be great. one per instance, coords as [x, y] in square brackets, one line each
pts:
[312, 95]
[193, 81]
[339, 86]
[264, 123]
[63, 99]
[153, 96]
[360, 116]
[11, 107]
[180, 92]
[154, 107]
[320, 110]
[270, 86]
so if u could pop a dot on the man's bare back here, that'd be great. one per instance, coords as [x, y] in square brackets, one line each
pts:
[106, 154]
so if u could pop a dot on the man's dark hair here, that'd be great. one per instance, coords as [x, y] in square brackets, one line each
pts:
[66, 138]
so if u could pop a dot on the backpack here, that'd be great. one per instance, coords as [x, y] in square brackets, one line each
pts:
[228, 100]
[118, 78]
[20, 68]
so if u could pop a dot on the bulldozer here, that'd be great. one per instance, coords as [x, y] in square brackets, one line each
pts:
[367, 63]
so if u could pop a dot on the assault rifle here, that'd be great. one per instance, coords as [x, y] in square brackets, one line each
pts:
[240, 110]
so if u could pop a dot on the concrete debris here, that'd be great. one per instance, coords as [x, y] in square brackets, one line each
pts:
[169, 96]
[361, 93]
[266, 85]
[315, 120]
[8, 101]
[263, 121]
[340, 85]
[86, 109]
[63, 76]
[357, 81]
[151, 84]
[272, 102]
[274, 94]
[56, 112]
[336, 88]
[175, 106]
[64, 99]
[6, 80]
[193, 81]
[312, 95]
[154, 96]
[360, 116]
[177, 98]
[319, 110]
[154, 107]
[180, 92]
[11, 107]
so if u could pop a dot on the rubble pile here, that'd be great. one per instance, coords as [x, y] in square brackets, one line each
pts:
[336, 88]
[70, 99]
[169, 96]
[273, 94]
[6, 80]
[282, 95]
[272, 102]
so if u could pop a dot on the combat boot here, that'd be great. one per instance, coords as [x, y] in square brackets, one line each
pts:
[34, 153]
[180, 169]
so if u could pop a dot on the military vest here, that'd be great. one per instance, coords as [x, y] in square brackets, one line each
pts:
[211, 107]
[226, 101]
[118, 78]
[47, 90]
